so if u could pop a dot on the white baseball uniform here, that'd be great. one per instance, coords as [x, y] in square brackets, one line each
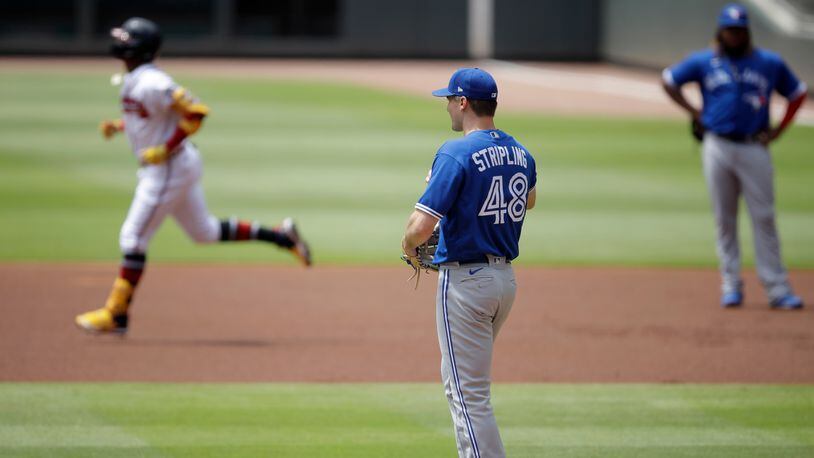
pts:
[173, 187]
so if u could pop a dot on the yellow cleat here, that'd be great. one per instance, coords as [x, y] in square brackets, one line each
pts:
[300, 248]
[102, 321]
[113, 316]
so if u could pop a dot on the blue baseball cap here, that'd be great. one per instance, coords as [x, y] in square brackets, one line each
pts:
[733, 15]
[472, 83]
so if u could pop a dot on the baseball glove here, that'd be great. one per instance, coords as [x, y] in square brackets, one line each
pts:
[423, 261]
[697, 129]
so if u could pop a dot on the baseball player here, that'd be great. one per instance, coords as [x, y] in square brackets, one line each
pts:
[158, 117]
[479, 188]
[737, 81]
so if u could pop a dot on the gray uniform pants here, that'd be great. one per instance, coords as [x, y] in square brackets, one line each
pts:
[472, 303]
[732, 169]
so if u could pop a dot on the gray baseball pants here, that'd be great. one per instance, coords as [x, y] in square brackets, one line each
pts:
[732, 169]
[472, 303]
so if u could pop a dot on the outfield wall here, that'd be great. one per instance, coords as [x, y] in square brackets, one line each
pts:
[651, 33]
[544, 29]
[547, 29]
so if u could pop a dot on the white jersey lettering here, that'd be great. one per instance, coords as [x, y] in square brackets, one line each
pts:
[494, 156]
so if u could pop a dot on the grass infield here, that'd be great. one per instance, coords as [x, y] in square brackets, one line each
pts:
[349, 164]
[400, 420]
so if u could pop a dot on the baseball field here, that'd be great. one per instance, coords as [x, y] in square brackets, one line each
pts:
[616, 345]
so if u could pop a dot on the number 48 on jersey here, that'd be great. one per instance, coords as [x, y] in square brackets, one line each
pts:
[495, 204]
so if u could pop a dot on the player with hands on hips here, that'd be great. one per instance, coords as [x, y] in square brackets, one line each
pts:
[158, 117]
[479, 188]
[736, 81]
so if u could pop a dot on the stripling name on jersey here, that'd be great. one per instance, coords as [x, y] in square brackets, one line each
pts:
[494, 156]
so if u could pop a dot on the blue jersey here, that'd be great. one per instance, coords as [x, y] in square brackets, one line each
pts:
[478, 188]
[736, 92]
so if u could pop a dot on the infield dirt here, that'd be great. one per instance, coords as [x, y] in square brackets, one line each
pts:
[256, 323]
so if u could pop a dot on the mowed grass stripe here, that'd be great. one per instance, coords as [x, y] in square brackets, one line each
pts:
[349, 163]
[365, 420]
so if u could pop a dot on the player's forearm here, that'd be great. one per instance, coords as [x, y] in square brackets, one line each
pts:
[185, 128]
[791, 111]
[192, 113]
[162, 153]
[531, 199]
[419, 228]
[179, 135]
[674, 92]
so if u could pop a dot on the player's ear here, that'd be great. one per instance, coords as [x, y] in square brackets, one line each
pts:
[463, 103]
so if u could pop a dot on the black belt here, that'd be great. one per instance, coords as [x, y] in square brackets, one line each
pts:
[480, 260]
[740, 138]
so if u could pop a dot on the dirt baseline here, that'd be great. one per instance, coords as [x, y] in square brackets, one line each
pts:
[258, 323]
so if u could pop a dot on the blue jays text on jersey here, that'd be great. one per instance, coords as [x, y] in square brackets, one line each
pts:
[736, 92]
[478, 188]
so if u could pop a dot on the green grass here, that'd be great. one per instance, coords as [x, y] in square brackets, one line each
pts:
[349, 163]
[400, 420]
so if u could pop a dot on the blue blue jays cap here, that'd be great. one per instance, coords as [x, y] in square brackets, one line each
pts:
[472, 83]
[733, 15]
